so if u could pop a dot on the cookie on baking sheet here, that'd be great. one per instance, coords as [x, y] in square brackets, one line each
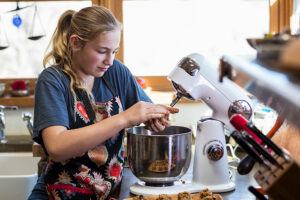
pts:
[139, 197]
[163, 197]
[206, 194]
[184, 196]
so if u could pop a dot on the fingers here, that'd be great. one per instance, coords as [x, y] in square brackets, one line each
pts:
[154, 111]
[161, 109]
[165, 122]
[158, 125]
[171, 110]
[155, 117]
[150, 125]
[155, 125]
[157, 109]
[159, 117]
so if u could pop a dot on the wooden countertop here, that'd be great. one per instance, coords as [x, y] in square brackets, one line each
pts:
[241, 191]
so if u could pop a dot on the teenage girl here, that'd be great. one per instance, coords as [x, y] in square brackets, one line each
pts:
[83, 103]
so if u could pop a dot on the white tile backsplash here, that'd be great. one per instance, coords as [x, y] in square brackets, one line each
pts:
[189, 114]
[14, 124]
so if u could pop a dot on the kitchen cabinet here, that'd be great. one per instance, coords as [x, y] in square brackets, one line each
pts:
[273, 85]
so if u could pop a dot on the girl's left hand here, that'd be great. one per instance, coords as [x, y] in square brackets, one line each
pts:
[159, 124]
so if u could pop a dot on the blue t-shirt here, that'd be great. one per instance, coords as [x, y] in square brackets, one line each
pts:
[54, 101]
[97, 173]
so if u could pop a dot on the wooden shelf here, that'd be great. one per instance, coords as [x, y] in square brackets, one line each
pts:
[26, 101]
[8, 100]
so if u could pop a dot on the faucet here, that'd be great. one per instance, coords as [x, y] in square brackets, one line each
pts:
[2, 121]
[27, 117]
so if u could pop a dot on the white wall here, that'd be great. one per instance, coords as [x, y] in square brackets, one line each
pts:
[23, 58]
[14, 122]
[189, 114]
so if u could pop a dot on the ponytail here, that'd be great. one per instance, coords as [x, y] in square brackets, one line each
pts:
[87, 24]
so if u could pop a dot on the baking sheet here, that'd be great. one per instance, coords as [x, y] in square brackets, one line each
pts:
[174, 197]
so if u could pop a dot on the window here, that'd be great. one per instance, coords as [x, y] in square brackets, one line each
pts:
[157, 34]
[23, 58]
[295, 21]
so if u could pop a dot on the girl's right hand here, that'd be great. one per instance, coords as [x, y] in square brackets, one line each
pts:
[159, 124]
[142, 112]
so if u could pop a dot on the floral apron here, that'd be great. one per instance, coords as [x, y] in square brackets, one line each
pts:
[97, 173]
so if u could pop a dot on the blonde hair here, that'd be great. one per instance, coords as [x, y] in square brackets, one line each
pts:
[86, 24]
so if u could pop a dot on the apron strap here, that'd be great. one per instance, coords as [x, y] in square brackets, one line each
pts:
[87, 104]
[110, 86]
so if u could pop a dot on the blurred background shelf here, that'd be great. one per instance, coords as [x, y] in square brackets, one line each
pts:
[22, 101]
[27, 101]
[271, 84]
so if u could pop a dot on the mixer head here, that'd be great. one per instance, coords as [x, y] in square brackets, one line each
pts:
[190, 67]
[195, 78]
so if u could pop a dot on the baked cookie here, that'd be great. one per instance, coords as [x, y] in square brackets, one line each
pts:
[184, 196]
[140, 197]
[163, 197]
[205, 193]
[209, 198]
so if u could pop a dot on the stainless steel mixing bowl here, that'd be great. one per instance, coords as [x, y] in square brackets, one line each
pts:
[159, 158]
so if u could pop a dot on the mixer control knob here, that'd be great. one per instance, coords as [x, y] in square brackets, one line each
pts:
[215, 152]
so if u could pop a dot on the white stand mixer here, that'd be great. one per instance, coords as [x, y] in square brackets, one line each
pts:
[195, 78]
[210, 169]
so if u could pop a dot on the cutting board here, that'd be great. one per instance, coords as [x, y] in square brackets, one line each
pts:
[174, 197]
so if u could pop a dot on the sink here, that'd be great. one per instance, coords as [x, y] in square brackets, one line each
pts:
[18, 175]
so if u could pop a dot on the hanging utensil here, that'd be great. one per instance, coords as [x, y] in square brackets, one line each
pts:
[3, 37]
[36, 31]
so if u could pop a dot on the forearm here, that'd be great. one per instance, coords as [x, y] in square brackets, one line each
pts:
[65, 144]
[289, 138]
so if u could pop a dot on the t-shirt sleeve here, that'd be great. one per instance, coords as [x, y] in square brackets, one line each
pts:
[135, 93]
[50, 106]
[132, 90]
